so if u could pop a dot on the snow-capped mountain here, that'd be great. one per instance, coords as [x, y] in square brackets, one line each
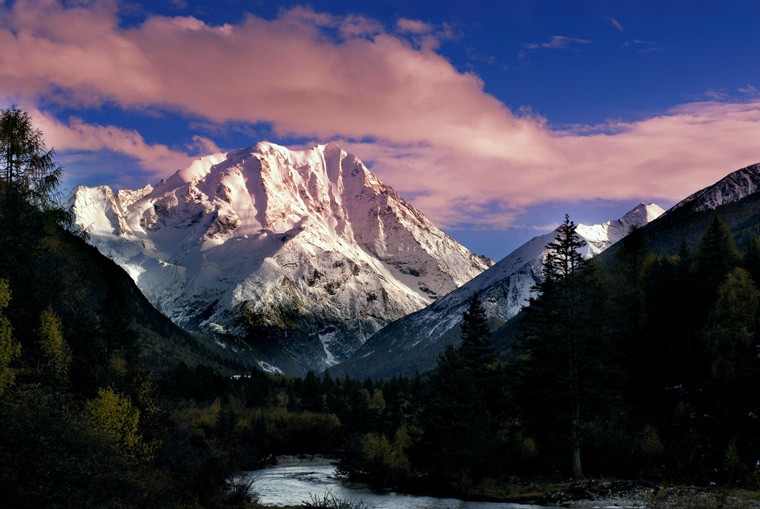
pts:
[733, 187]
[503, 290]
[304, 253]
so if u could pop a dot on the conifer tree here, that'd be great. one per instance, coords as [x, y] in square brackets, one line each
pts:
[311, 398]
[28, 171]
[716, 256]
[734, 330]
[477, 347]
[563, 352]
[732, 340]
[627, 297]
[455, 430]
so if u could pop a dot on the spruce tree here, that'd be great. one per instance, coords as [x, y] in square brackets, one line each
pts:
[627, 296]
[716, 256]
[453, 421]
[477, 347]
[28, 171]
[562, 367]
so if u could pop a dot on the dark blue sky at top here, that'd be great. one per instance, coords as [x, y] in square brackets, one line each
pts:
[641, 58]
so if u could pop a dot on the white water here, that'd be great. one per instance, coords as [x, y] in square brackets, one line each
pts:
[293, 485]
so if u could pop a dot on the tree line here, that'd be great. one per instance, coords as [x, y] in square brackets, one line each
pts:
[645, 368]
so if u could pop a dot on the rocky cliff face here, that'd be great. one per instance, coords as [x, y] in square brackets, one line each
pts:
[304, 253]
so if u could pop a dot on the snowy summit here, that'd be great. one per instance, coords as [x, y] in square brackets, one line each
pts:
[304, 253]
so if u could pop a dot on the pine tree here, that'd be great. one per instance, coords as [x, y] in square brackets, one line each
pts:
[311, 397]
[733, 332]
[455, 429]
[732, 341]
[563, 351]
[28, 171]
[716, 256]
[627, 297]
[476, 348]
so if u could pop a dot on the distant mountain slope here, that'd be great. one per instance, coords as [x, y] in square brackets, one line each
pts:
[734, 199]
[414, 341]
[738, 208]
[306, 254]
[162, 343]
[101, 310]
[733, 187]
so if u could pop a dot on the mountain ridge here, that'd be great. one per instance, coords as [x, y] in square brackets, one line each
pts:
[305, 249]
[503, 291]
[733, 187]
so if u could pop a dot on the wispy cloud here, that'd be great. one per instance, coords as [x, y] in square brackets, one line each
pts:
[615, 23]
[77, 136]
[556, 42]
[716, 94]
[413, 26]
[643, 46]
[750, 91]
[477, 56]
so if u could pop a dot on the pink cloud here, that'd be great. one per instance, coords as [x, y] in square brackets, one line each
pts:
[77, 136]
[556, 42]
[286, 71]
[663, 158]
[615, 23]
[413, 26]
[459, 153]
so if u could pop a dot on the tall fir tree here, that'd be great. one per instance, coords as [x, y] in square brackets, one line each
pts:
[476, 348]
[29, 173]
[716, 256]
[627, 293]
[455, 431]
[562, 369]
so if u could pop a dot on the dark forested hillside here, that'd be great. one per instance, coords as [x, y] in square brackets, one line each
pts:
[48, 267]
[82, 422]
[665, 234]
[644, 367]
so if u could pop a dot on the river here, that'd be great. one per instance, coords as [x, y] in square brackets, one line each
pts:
[292, 484]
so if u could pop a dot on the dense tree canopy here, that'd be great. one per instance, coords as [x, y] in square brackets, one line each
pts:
[29, 170]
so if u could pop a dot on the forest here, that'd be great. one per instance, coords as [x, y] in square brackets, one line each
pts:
[641, 367]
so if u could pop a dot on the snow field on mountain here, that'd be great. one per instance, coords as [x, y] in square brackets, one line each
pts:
[305, 240]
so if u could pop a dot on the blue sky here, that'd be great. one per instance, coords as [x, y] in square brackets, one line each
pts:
[494, 118]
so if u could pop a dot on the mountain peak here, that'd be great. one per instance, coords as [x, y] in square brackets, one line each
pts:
[601, 236]
[330, 147]
[642, 213]
[306, 248]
